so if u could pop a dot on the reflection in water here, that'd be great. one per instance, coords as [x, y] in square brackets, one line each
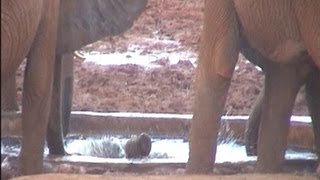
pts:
[175, 150]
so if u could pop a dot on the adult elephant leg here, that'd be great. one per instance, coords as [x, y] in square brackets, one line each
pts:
[54, 132]
[67, 90]
[9, 95]
[313, 102]
[277, 109]
[37, 90]
[218, 56]
[253, 124]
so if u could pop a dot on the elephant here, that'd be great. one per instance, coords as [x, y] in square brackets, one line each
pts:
[29, 29]
[82, 22]
[282, 31]
[79, 22]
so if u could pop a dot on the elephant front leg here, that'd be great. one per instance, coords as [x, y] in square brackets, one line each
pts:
[8, 95]
[253, 124]
[281, 89]
[54, 132]
[35, 110]
[205, 124]
[37, 88]
[218, 55]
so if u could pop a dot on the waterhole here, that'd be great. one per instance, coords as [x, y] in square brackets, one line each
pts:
[171, 149]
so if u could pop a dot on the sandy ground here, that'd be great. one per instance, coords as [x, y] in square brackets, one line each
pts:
[163, 177]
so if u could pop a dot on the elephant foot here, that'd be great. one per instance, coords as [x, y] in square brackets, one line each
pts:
[268, 166]
[318, 171]
[251, 149]
[55, 143]
[30, 163]
[267, 170]
[199, 167]
[57, 151]
[56, 146]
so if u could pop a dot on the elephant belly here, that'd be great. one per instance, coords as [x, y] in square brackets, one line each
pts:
[19, 22]
[269, 27]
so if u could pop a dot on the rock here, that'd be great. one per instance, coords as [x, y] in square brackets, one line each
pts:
[105, 148]
[7, 171]
[69, 169]
[138, 147]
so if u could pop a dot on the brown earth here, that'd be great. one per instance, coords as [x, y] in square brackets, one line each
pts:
[168, 89]
[165, 177]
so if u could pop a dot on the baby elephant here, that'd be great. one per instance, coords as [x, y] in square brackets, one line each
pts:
[138, 146]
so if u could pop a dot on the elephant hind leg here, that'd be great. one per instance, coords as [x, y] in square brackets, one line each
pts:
[313, 102]
[253, 124]
[281, 83]
[218, 55]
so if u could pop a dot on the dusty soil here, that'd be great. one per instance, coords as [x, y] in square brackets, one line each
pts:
[177, 177]
[169, 88]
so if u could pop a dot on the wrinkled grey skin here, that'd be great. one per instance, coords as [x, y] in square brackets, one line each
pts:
[29, 29]
[82, 22]
[282, 31]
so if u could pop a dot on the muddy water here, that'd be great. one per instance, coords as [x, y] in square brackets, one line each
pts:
[175, 150]
[141, 54]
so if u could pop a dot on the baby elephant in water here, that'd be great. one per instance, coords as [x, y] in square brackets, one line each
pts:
[138, 146]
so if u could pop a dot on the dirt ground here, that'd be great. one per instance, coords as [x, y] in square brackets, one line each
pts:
[168, 89]
[176, 177]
